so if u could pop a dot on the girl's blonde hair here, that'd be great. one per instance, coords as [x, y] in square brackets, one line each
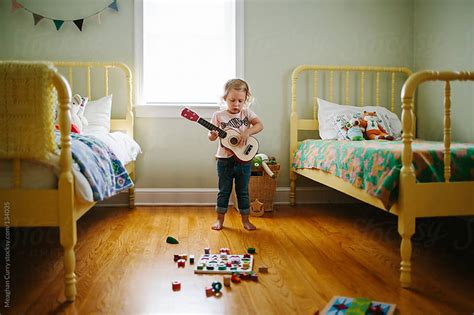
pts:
[238, 85]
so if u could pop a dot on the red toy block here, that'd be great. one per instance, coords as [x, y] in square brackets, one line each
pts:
[176, 285]
[254, 277]
[235, 279]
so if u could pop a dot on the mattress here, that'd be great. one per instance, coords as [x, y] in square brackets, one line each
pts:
[43, 175]
[374, 166]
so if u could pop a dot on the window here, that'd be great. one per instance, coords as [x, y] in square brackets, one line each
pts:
[187, 49]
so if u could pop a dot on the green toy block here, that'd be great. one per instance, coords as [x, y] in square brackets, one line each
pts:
[171, 240]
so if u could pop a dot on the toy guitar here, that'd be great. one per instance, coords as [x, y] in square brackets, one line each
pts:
[229, 138]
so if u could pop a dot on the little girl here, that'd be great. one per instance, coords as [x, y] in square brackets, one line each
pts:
[237, 116]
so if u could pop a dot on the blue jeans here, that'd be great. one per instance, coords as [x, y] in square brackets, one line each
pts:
[228, 170]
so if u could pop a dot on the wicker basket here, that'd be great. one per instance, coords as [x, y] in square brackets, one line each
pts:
[263, 187]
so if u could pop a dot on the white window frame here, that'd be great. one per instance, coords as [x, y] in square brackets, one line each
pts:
[173, 111]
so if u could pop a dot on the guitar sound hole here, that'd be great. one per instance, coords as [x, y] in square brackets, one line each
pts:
[234, 141]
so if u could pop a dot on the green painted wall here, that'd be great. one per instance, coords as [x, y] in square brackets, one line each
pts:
[279, 35]
[444, 40]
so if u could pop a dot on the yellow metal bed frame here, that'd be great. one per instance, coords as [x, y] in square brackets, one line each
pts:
[60, 207]
[414, 199]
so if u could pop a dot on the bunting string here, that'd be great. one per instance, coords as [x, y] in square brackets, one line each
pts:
[58, 23]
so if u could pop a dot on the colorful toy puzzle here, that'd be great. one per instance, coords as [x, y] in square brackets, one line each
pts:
[340, 305]
[224, 263]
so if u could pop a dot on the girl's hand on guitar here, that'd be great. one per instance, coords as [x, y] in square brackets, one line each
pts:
[243, 138]
[213, 135]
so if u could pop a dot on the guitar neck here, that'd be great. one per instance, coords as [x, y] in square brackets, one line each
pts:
[208, 125]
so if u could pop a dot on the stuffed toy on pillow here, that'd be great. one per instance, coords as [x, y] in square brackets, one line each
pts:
[373, 129]
[354, 130]
[78, 105]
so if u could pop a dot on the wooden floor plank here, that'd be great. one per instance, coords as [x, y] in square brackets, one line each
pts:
[125, 266]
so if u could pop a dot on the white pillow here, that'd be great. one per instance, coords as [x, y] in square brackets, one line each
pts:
[98, 114]
[329, 114]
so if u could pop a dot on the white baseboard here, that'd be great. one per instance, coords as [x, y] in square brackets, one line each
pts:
[207, 197]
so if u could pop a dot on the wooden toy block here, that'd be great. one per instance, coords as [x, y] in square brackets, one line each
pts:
[176, 285]
[207, 250]
[244, 276]
[254, 277]
[235, 279]
[171, 240]
[226, 280]
[216, 286]
[176, 257]
[251, 250]
[224, 264]
[224, 250]
[209, 291]
[191, 259]
[184, 256]
[263, 269]
[181, 263]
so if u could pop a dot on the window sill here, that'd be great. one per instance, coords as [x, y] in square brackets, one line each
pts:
[173, 111]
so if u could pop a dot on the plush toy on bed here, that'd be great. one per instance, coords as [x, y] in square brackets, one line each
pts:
[354, 130]
[78, 105]
[373, 130]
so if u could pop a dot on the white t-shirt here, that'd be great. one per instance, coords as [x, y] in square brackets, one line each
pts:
[239, 122]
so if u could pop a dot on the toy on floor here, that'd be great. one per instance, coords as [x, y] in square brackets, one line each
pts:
[224, 263]
[263, 269]
[226, 280]
[340, 305]
[171, 240]
[176, 285]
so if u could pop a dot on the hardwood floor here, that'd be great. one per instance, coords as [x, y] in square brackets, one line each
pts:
[124, 265]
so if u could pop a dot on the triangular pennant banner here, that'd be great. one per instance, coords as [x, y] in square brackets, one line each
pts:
[58, 24]
[37, 18]
[113, 5]
[79, 23]
[16, 6]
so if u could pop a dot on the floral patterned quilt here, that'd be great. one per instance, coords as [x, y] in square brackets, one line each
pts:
[374, 166]
[102, 169]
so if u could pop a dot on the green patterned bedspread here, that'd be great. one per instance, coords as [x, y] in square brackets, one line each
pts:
[374, 166]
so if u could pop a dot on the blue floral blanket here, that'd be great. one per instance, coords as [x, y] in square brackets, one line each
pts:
[105, 173]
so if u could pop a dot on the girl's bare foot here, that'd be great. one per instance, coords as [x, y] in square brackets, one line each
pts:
[219, 224]
[246, 223]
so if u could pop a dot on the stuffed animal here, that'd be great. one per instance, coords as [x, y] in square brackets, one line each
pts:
[78, 105]
[373, 130]
[257, 162]
[264, 158]
[261, 161]
[354, 130]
